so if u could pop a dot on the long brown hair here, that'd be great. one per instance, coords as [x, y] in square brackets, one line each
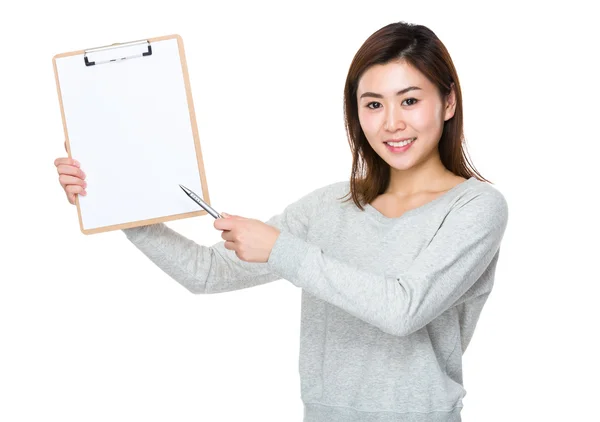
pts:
[420, 47]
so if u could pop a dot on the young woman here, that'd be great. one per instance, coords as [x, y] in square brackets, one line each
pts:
[395, 265]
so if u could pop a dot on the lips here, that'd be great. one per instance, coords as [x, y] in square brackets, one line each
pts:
[399, 140]
[399, 149]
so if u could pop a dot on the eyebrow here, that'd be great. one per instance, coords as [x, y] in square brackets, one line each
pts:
[402, 91]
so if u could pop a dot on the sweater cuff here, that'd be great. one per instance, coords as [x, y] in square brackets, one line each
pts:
[287, 256]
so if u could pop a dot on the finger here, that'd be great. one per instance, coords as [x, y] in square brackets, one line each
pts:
[65, 169]
[75, 189]
[223, 224]
[229, 245]
[66, 160]
[227, 235]
[66, 180]
[70, 197]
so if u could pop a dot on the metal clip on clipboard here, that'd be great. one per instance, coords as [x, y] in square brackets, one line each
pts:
[117, 52]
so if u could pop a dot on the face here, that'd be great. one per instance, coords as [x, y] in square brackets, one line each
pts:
[395, 102]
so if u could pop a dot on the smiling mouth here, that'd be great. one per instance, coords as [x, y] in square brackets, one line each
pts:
[400, 144]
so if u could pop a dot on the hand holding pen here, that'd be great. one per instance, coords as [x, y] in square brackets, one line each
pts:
[252, 240]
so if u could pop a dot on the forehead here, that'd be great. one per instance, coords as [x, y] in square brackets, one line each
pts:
[391, 77]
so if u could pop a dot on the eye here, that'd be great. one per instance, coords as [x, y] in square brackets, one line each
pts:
[414, 99]
[372, 103]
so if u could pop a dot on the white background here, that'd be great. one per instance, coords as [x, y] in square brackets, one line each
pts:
[90, 329]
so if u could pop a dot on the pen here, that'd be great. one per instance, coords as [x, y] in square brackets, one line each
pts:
[200, 202]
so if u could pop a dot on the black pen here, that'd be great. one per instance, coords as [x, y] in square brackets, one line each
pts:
[200, 202]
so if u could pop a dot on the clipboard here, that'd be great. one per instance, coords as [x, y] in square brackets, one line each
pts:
[129, 119]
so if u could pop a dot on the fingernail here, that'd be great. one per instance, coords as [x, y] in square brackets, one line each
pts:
[76, 163]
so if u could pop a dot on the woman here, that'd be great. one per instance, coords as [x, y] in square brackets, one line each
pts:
[395, 276]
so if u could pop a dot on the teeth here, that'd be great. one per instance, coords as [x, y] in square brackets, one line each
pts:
[401, 144]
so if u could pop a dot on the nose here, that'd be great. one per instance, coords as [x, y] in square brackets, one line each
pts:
[393, 119]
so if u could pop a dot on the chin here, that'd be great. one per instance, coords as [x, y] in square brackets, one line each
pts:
[400, 163]
[401, 167]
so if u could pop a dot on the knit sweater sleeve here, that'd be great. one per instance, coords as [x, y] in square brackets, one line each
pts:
[459, 253]
[214, 269]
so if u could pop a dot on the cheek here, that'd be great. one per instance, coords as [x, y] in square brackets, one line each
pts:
[419, 120]
[369, 123]
[426, 119]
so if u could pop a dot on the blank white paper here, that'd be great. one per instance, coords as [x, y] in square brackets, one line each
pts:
[129, 126]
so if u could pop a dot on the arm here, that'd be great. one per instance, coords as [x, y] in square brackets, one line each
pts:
[442, 273]
[214, 269]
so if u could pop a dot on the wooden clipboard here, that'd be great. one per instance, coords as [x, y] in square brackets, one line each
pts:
[129, 119]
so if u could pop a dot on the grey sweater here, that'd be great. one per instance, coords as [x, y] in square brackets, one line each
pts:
[389, 305]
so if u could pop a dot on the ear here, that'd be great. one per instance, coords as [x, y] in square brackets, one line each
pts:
[450, 103]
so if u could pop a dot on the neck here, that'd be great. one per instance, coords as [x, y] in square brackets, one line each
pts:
[428, 176]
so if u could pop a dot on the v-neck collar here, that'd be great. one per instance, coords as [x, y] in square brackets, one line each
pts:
[371, 210]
